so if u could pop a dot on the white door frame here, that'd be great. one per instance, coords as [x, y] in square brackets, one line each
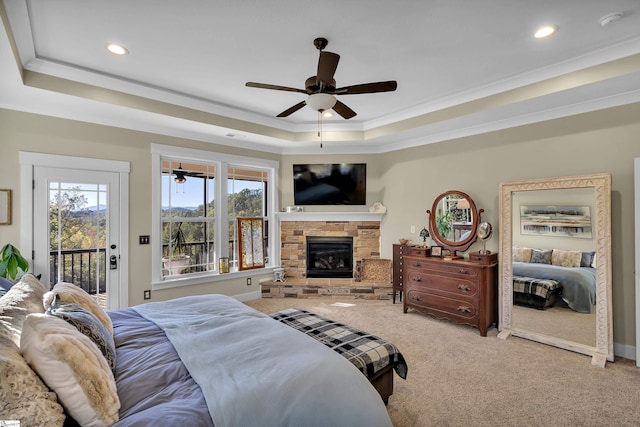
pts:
[636, 191]
[30, 160]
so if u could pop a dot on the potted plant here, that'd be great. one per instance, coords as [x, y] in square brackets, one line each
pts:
[177, 261]
[12, 264]
[443, 224]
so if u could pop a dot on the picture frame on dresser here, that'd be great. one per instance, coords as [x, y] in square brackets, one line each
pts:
[436, 251]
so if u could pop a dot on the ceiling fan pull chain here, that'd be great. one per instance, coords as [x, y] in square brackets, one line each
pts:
[320, 127]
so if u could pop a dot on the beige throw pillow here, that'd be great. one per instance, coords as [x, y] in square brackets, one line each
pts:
[72, 366]
[566, 258]
[23, 395]
[25, 297]
[521, 254]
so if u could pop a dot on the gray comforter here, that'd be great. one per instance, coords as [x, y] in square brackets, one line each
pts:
[248, 370]
[578, 284]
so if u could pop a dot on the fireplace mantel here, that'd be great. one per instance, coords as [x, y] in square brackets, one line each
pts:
[329, 216]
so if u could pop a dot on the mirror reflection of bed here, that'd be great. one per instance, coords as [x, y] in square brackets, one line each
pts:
[553, 273]
[565, 216]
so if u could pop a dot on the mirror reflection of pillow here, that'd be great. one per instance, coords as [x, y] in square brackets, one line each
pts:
[587, 259]
[72, 366]
[563, 258]
[521, 254]
[541, 256]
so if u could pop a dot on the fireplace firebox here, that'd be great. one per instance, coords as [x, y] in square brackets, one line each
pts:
[330, 256]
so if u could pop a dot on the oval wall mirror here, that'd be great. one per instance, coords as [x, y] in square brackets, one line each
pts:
[555, 269]
[453, 221]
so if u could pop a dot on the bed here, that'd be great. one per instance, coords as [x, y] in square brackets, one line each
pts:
[197, 361]
[575, 285]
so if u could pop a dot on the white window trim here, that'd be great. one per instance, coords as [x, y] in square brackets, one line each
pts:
[187, 154]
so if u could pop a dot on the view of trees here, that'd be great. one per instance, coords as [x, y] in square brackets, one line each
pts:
[79, 226]
[78, 232]
[244, 203]
[74, 226]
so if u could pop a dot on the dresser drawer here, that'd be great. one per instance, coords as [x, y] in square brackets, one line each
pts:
[456, 269]
[428, 281]
[455, 307]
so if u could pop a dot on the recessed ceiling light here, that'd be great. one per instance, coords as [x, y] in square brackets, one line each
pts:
[116, 49]
[545, 31]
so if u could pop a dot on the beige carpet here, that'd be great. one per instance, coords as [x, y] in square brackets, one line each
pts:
[458, 378]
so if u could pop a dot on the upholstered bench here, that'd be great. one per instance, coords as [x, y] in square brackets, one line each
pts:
[373, 356]
[532, 292]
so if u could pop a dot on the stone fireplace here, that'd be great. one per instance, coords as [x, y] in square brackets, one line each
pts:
[362, 228]
[329, 256]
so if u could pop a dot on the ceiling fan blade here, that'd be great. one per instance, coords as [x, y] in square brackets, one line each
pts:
[343, 110]
[274, 87]
[293, 109]
[388, 86]
[327, 65]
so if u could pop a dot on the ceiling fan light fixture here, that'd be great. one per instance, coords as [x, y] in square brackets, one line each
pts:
[181, 175]
[327, 114]
[321, 101]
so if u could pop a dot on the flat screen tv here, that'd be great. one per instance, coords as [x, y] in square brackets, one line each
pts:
[330, 184]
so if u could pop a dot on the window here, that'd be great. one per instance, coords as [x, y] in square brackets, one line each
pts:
[198, 197]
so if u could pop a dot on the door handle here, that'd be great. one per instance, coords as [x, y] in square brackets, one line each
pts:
[113, 262]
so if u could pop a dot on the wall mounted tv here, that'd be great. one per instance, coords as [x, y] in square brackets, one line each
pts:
[330, 184]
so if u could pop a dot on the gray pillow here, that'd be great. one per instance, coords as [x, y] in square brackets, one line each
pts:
[541, 256]
[587, 259]
[5, 285]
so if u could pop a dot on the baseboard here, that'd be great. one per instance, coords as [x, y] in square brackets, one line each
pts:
[248, 296]
[624, 350]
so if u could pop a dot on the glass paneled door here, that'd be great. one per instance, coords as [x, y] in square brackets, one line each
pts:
[76, 224]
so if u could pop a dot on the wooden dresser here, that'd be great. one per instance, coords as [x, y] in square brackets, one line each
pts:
[459, 290]
[399, 252]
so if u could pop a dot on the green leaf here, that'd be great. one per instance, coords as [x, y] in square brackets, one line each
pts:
[12, 267]
[23, 264]
[3, 267]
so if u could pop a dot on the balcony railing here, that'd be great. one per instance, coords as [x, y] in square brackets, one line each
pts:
[79, 266]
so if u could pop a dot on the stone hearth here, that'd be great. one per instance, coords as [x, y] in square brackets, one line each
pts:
[330, 289]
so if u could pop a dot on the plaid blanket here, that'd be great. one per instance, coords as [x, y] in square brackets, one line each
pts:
[369, 353]
[541, 287]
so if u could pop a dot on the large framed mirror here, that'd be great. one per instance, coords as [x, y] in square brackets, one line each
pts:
[453, 221]
[555, 270]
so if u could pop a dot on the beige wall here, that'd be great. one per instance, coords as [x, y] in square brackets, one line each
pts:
[406, 181]
[608, 141]
[28, 132]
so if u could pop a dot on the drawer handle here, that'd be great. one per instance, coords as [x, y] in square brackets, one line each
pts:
[415, 298]
[463, 271]
[464, 287]
[417, 279]
[416, 264]
[464, 309]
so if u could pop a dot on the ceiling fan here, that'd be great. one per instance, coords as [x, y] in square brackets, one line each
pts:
[321, 88]
[181, 174]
